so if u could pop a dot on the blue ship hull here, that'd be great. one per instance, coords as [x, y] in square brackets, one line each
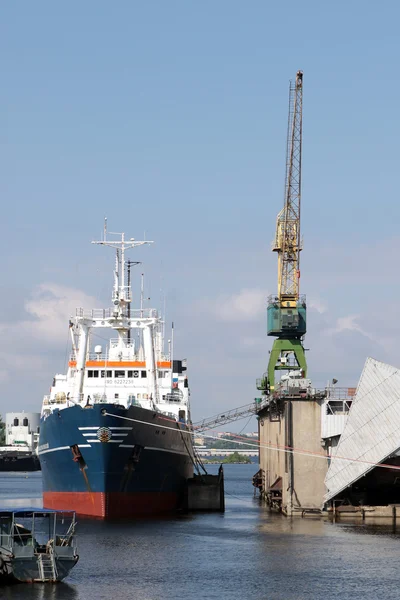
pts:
[109, 466]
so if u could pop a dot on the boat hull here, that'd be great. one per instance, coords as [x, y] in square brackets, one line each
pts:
[110, 462]
[18, 461]
[113, 505]
[26, 570]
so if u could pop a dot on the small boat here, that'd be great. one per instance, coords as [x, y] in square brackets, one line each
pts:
[36, 544]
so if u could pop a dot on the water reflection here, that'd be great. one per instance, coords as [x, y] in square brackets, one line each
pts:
[371, 526]
[39, 591]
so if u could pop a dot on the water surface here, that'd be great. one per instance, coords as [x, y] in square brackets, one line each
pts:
[245, 554]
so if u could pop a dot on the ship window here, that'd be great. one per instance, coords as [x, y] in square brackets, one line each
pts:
[144, 373]
[163, 398]
[95, 373]
[16, 422]
[145, 396]
[119, 374]
[161, 374]
[106, 374]
[116, 396]
[131, 374]
[25, 422]
[139, 396]
[90, 373]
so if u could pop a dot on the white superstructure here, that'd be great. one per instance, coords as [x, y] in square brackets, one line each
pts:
[132, 367]
[22, 430]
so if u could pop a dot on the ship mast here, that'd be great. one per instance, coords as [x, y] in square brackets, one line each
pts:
[119, 318]
[121, 296]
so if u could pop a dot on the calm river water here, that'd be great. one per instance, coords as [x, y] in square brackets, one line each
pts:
[245, 554]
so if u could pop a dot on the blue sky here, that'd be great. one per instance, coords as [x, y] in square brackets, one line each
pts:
[170, 118]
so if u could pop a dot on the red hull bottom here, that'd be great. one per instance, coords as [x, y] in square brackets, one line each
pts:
[117, 505]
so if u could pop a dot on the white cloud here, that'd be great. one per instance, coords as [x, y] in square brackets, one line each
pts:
[48, 311]
[316, 304]
[246, 305]
[34, 347]
[349, 323]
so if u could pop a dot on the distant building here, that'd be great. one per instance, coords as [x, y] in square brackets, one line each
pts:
[22, 429]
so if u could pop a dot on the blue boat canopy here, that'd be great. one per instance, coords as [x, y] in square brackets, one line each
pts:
[32, 509]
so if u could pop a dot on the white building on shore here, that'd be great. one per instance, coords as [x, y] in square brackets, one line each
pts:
[22, 429]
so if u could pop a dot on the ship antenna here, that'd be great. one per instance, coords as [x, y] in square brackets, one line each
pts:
[141, 294]
[121, 293]
[129, 263]
[164, 320]
[172, 356]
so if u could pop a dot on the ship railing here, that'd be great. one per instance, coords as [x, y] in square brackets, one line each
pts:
[164, 357]
[145, 313]
[104, 357]
[93, 356]
[340, 393]
[122, 355]
[108, 313]
[95, 313]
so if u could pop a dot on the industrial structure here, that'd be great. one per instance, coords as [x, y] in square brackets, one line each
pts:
[289, 411]
[334, 449]
[286, 314]
[364, 472]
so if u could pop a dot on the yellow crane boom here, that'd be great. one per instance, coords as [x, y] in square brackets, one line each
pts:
[287, 239]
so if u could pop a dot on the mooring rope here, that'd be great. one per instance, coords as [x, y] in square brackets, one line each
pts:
[259, 444]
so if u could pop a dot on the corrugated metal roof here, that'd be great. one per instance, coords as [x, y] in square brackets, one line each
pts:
[372, 430]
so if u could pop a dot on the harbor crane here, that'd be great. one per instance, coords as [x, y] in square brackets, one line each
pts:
[286, 312]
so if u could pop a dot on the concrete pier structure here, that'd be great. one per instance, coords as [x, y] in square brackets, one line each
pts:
[292, 482]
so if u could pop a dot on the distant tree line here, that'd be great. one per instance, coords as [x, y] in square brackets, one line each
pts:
[225, 444]
[236, 457]
[233, 458]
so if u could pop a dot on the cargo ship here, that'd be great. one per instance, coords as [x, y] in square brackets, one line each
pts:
[115, 438]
